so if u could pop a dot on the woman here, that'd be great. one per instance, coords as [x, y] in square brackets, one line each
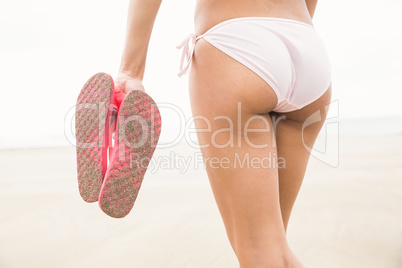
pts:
[263, 62]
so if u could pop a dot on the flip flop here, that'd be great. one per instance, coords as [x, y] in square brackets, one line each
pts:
[137, 134]
[93, 117]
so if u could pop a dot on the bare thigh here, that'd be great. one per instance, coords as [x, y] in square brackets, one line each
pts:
[247, 196]
[296, 133]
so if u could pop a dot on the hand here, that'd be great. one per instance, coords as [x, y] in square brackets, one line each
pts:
[125, 83]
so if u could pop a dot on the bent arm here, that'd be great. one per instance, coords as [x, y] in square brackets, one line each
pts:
[311, 5]
[140, 22]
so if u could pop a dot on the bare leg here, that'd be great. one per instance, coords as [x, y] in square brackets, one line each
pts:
[248, 197]
[290, 145]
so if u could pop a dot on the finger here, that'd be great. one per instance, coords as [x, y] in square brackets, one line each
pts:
[134, 85]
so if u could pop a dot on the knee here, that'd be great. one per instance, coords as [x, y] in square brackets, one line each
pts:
[264, 257]
[265, 261]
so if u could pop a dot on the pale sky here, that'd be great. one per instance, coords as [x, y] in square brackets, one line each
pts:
[48, 49]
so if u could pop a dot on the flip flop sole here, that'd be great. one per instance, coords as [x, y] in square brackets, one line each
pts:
[138, 130]
[93, 111]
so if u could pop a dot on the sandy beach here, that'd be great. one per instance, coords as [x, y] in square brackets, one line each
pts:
[349, 210]
[345, 216]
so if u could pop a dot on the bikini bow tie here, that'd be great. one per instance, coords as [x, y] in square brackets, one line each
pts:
[188, 45]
